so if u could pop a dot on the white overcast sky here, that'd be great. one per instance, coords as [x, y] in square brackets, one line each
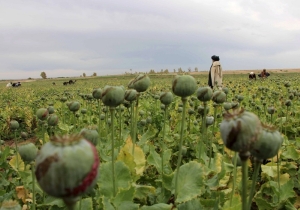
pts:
[72, 37]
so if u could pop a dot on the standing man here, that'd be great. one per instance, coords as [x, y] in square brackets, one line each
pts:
[215, 73]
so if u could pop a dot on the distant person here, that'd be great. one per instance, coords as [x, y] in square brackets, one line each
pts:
[215, 73]
[252, 75]
[9, 84]
[264, 74]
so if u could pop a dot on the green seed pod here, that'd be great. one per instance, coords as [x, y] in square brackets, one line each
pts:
[131, 95]
[97, 93]
[240, 98]
[50, 109]
[234, 105]
[83, 111]
[180, 109]
[271, 110]
[10, 205]
[113, 96]
[74, 106]
[14, 125]
[53, 120]
[288, 103]
[184, 85]
[239, 130]
[140, 83]
[28, 152]
[156, 97]
[67, 167]
[268, 143]
[209, 120]
[42, 114]
[191, 111]
[227, 105]
[91, 135]
[201, 110]
[24, 135]
[287, 84]
[102, 117]
[219, 97]
[89, 97]
[63, 99]
[149, 120]
[143, 122]
[204, 94]
[162, 106]
[166, 98]
[225, 90]
[291, 96]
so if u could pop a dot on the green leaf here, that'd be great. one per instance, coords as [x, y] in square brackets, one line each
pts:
[192, 204]
[128, 205]
[159, 206]
[290, 152]
[149, 134]
[154, 159]
[190, 181]
[107, 205]
[167, 181]
[124, 195]
[20, 166]
[236, 203]
[86, 203]
[142, 192]
[122, 178]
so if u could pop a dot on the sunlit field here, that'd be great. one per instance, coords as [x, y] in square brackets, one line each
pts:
[151, 142]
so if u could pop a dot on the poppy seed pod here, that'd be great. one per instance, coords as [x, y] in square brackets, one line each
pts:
[271, 110]
[240, 130]
[10, 205]
[204, 94]
[24, 135]
[42, 113]
[83, 111]
[209, 120]
[14, 125]
[267, 144]
[130, 95]
[113, 96]
[28, 152]
[140, 83]
[63, 99]
[97, 93]
[91, 135]
[227, 105]
[184, 85]
[166, 98]
[219, 97]
[50, 109]
[74, 106]
[201, 110]
[53, 120]
[67, 167]
[225, 90]
[288, 103]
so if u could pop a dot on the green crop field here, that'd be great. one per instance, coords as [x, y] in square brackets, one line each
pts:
[151, 142]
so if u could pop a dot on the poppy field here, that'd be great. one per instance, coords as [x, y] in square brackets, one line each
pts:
[151, 142]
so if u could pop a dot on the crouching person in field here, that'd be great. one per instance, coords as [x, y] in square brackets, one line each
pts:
[264, 74]
[8, 85]
[252, 75]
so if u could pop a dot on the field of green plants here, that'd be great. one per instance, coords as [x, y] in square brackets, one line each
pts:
[151, 142]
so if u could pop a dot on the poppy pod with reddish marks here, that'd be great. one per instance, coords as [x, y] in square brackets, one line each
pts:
[42, 113]
[204, 94]
[130, 95]
[219, 97]
[113, 96]
[53, 120]
[97, 93]
[166, 98]
[74, 106]
[184, 85]
[268, 143]
[140, 83]
[67, 166]
[240, 130]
